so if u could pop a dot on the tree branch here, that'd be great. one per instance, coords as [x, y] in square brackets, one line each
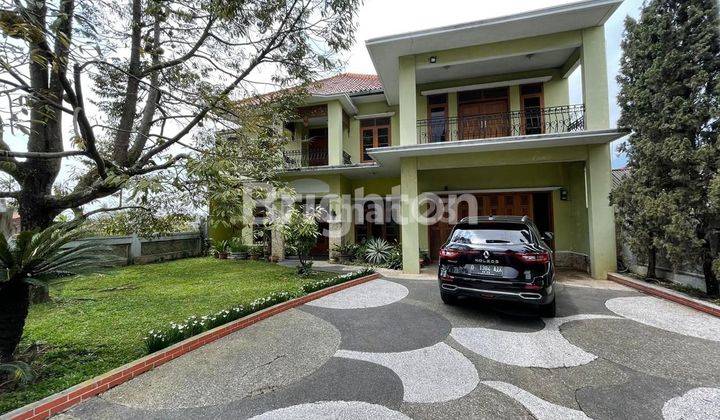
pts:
[109, 209]
[159, 66]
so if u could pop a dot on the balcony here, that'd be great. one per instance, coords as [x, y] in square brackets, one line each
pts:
[297, 159]
[550, 120]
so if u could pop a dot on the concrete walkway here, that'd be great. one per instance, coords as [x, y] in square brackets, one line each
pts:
[391, 349]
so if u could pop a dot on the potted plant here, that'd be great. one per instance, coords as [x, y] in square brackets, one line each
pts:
[238, 250]
[220, 249]
[424, 258]
[256, 252]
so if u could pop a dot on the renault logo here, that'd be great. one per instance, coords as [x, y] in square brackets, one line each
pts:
[486, 254]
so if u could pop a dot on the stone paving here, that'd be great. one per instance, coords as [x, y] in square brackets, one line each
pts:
[391, 349]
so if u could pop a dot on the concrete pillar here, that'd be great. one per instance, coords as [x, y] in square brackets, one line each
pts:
[135, 250]
[335, 133]
[247, 228]
[601, 218]
[408, 212]
[408, 101]
[277, 242]
[594, 79]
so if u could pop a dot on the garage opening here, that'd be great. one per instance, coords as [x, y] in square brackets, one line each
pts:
[535, 204]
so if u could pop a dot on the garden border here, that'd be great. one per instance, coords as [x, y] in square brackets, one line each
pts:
[667, 294]
[61, 401]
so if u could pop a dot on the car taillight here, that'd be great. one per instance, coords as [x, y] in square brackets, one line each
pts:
[533, 257]
[450, 254]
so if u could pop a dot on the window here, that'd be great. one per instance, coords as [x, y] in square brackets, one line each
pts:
[374, 132]
[492, 234]
[437, 116]
[377, 222]
[531, 100]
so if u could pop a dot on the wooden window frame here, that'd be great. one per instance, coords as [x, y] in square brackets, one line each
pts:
[376, 141]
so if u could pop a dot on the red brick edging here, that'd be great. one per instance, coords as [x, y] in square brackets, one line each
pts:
[670, 295]
[63, 400]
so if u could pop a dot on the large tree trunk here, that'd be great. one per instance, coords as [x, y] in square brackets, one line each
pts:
[14, 302]
[33, 214]
[652, 262]
[711, 281]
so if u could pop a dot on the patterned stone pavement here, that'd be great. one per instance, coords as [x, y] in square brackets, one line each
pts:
[391, 349]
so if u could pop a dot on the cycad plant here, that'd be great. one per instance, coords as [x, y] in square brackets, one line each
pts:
[36, 258]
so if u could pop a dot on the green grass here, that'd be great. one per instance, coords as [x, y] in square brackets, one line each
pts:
[97, 322]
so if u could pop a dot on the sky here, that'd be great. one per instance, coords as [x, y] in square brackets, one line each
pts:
[387, 17]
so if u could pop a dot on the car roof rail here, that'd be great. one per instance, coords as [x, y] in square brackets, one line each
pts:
[493, 218]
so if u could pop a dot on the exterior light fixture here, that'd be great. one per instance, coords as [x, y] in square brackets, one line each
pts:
[563, 194]
[432, 59]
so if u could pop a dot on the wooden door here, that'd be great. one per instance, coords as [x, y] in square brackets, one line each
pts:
[322, 246]
[318, 147]
[481, 120]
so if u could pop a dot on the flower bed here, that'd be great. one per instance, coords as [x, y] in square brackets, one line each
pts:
[193, 325]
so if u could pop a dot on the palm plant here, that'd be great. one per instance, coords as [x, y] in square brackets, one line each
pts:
[36, 258]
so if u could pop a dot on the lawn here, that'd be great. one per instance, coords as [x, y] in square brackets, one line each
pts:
[97, 322]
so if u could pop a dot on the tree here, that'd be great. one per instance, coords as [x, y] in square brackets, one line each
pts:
[669, 98]
[120, 87]
[300, 230]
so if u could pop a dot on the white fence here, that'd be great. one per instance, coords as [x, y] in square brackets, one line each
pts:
[136, 250]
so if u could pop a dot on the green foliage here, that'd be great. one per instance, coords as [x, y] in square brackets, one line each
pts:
[316, 285]
[300, 232]
[38, 258]
[236, 245]
[16, 373]
[394, 260]
[141, 222]
[377, 250]
[669, 97]
[347, 251]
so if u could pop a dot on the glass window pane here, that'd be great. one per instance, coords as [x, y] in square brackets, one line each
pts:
[383, 137]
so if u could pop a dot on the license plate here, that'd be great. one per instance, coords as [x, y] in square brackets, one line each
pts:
[485, 270]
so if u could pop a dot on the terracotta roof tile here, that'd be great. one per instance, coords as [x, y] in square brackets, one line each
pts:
[346, 83]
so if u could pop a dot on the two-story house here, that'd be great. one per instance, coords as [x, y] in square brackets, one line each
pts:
[479, 109]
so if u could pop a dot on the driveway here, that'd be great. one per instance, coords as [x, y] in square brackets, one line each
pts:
[391, 349]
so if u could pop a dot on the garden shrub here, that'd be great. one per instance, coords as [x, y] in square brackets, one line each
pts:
[313, 286]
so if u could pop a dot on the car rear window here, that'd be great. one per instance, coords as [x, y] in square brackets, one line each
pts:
[492, 233]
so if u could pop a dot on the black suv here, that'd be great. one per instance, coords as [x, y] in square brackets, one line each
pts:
[499, 258]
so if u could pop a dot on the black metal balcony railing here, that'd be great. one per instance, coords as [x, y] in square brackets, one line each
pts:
[295, 159]
[556, 119]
